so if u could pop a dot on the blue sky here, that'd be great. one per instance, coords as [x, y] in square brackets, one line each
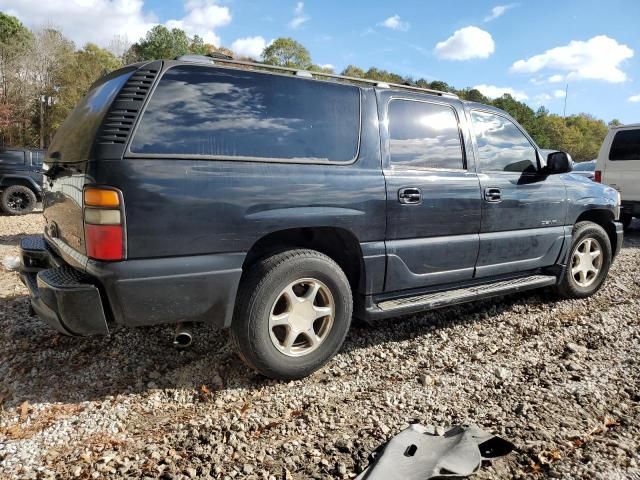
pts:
[532, 49]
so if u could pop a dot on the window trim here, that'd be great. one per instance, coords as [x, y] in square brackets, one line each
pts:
[465, 166]
[613, 140]
[128, 154]
[515, 124]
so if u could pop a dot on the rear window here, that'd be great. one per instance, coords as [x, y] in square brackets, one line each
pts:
[625, 145]
[74, 138]
[424, 135]
[203, 111]
[11, 157]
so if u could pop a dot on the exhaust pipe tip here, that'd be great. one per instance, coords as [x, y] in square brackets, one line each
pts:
[183, 337]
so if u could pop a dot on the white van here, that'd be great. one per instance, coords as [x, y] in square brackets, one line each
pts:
[619, 166]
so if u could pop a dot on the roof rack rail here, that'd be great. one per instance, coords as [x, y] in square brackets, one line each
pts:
[195, 58]
[208, 58]
[633, 125]
[310, 74]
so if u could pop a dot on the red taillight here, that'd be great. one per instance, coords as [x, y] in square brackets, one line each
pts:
[598, 176]
[104, 242]
[103, 224]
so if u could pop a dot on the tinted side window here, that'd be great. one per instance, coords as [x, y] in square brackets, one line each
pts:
[199, 110]
[502, 147]
[625, 145]
[11, 157]
[424, 135]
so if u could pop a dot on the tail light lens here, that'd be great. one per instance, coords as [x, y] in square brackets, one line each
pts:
[104, 242]
[597, 176]
[103, 224]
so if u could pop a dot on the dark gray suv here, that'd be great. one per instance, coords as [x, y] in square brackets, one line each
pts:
[279, 204]
[20, 180]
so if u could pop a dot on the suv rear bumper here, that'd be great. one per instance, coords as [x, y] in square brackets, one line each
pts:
[133, 292]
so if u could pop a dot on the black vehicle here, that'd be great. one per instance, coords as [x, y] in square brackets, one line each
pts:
[279, 204]
[20, 180]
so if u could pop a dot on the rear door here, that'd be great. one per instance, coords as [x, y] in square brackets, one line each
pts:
[622, 164]
[433, 194]
[523, 211]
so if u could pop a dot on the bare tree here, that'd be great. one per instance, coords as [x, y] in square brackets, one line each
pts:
[51, 51]
[15, 86]
[119, 46]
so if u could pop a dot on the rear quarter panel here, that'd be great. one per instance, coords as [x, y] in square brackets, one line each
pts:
[190, 207]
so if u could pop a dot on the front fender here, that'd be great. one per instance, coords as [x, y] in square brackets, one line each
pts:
[584, 195]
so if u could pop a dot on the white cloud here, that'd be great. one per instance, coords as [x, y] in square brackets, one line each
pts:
[634, 98]
[98, 21]
[542, 98]
[395, 23]
[598, 58]
[556, 78]
[498, 11]
[466, 43]
[492, 91]
[327, 65]
[299, 17]
[202, 17]
[249, 47]
[84, 21]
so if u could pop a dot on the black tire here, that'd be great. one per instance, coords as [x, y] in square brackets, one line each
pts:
[18, 200]
[569, 286]
[257, 295]
[626, 219]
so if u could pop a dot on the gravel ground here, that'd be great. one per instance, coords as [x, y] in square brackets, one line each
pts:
[560, 379]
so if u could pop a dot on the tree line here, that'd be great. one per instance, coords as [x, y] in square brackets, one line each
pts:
[43, 75]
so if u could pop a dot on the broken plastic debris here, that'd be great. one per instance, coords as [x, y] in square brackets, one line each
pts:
[419, 453]
[11, 263]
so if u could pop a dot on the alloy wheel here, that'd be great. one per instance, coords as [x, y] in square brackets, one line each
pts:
[301, 317]
[18, 201]
[586, 262]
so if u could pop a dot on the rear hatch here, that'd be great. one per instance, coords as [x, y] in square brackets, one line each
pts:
[74, 151]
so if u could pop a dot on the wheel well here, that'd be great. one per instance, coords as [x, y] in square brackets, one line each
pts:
[604, 218]
[339, 244]
[9, 182]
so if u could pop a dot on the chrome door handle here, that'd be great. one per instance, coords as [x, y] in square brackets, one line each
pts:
[492, 194]
[409, 195]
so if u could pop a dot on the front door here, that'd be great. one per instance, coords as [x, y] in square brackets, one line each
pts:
[523, 211]
[433, 199]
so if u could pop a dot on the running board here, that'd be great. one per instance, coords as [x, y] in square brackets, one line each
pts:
[461, 295]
